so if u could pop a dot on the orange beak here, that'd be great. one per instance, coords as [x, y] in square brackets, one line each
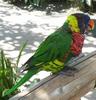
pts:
[91, 24]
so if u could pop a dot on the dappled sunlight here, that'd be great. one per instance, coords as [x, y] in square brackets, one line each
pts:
[83, 98]
[90, 95]
[18, 26]
[89, 45]
[14, 30]
[90, 38]
[12, 53]
[43, 74]
[88, 50]
[6, 46]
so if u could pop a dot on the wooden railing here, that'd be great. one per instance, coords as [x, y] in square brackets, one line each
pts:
[62, 87]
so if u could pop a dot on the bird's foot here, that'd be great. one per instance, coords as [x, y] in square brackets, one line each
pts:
[69, 71]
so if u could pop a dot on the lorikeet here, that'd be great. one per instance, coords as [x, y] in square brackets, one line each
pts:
[57, 49]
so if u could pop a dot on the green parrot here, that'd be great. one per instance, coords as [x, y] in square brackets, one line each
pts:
[52, 54]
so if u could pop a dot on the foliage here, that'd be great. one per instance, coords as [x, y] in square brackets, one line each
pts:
[36, 2]
[7, 75]
[27, 2]
[55, 5]
[8, 72]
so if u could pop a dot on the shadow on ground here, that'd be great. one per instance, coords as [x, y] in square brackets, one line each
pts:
[12, 35]
[16, 28]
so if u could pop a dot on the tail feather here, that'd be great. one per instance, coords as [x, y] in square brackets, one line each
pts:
[27, 76]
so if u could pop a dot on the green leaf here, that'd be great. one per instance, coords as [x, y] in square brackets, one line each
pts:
[2, 60]
[20, 53]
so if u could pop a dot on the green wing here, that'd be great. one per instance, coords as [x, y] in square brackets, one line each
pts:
[54, 47]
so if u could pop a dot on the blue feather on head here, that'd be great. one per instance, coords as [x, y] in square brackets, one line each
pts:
[84, 22]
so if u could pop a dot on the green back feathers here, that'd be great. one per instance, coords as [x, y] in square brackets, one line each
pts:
[55, 46]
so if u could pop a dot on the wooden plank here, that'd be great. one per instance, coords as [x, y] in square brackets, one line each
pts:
[62, 87]
[83, 90]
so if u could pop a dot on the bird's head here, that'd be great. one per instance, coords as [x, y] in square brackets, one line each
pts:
[80, 23]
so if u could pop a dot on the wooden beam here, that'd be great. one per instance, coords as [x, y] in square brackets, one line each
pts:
[83, 91]
[61, 87]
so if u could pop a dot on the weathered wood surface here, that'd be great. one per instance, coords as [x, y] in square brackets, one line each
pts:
[61, 87]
